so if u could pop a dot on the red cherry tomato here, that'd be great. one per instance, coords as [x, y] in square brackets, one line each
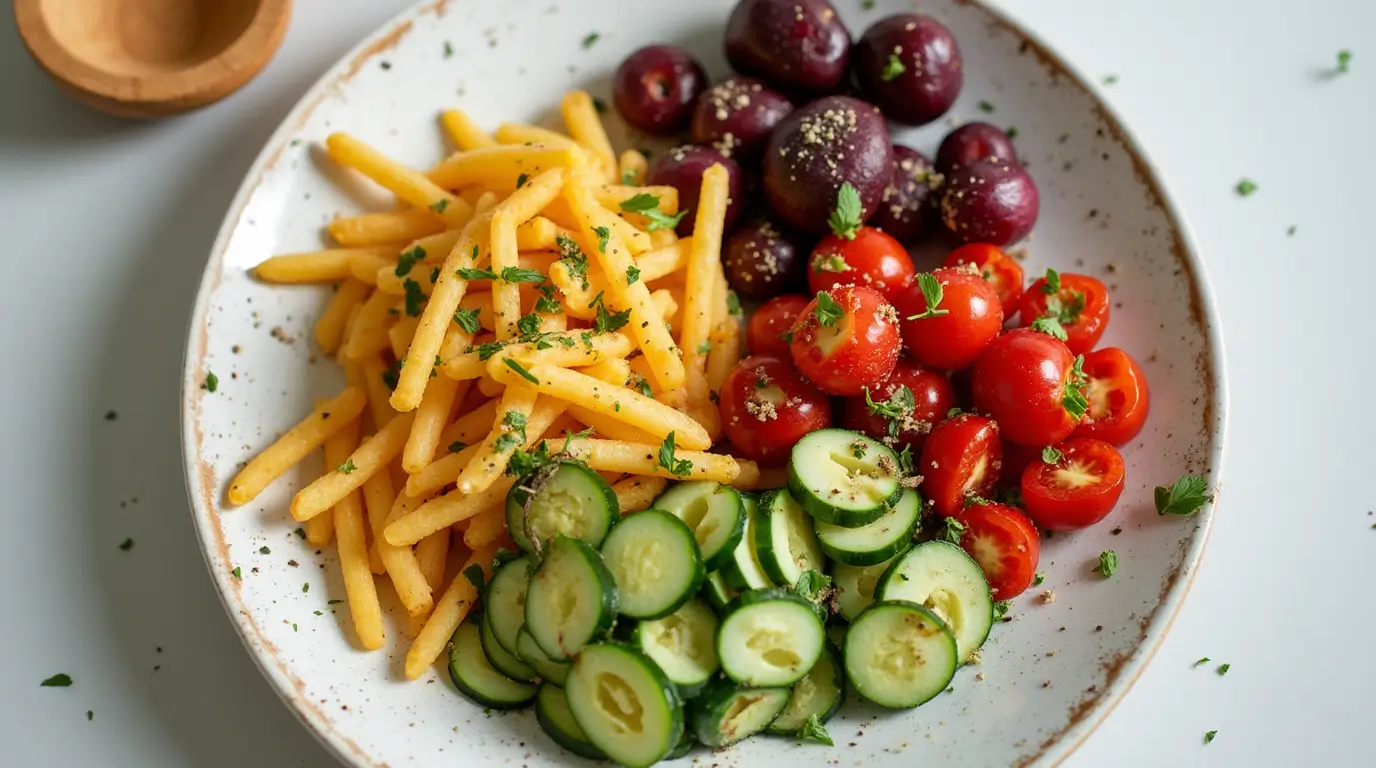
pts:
[1004, 543]
[1022, 381]
[1077, 491]
[768, 329]
[994, 265]
[766, 407]
[872, 259]
[846, 339]
[1081, 306]
[1117, 395]
[1015, 460]
[962, 457]
[950, 341]
[931, 399]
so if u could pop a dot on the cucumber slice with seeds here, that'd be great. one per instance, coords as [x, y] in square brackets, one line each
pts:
[502, 660]
[855, 586]
[769, 638]
[714, 512]
[784, 539]
[683, 645]
[529, 652]
[899, 654]
[718, 592]
[843, 477]
[571, 600]
[504, 601]
[624, 704]
[744, 570]
[820, 694]
[877, 542]
[726, 713]
[655, 561]
[475, 677]
[940, 577]
[555, 717]
[561, 498]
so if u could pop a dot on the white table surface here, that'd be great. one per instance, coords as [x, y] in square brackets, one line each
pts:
[106, 225]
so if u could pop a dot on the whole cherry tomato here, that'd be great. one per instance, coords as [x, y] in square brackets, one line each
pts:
[767, 333]
[896, 417]
[1028, 382]
[867, 257]
[994, 265]
[949, 317]
[846, 339]
[766, 407]
[1076, 490]
[1004, 543]
[961, 458]
[1117, 395]
[1078, 302]
[1015, 460]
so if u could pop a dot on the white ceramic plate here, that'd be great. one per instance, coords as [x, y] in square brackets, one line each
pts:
[1047, 677]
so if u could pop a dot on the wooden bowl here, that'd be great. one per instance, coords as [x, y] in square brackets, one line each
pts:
[149, 58]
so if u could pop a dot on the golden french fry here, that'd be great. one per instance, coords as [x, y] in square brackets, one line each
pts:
[506, 296]
[518, 133]
[384, 228]
[636, 242]
[486, 527]
[310, 433]
[536, 234]
[631, 167]
[603, 426]
[443, 511]
[431, 554]
[469, 428]
[348, 476]
[399, 335]
[700, 289]
[754, 477]
[668, 308]
[329, 329]
[638, 492]
[580, 115]
[507, 436]
[378, 496]
[448, 614]
[374, 382]
[500, 167]
[401, 563]
[353, 548]
[663, 238]
[320, 529]
[463, 131]
[368, 336]
[434, 409]
[408, 184]
[446, 469]
[325, 266]
[615, 372]
[726, 337]
[567, 349]
[611, 196]
[644, 459]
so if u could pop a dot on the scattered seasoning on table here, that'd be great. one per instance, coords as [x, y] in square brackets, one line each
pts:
[111, 415]
[386, 65]
[1344, 60]
[448, 49]
[1223, 669]
[264, 551]
[60, 680]
[90, 715]
[1290, 231]
[305, 588]
[126, 545]
[1110, 79]
[212, 382]
[986, 107]
[1209, 736]
[1245, 187]
[238, 573]
[1202, 661]
[590, 40]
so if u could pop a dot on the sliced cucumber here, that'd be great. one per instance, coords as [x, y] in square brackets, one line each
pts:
[843, 477]
[744, 570]
[939, 576]
[502, 660]
[719, 593]
[881, 540]
[548, 669]
[655, 561]
[855, 586]
[683, 644]
[820, 694]
[685, 744]
[553, 713]
[505, 601]
[625, 704]
[571, 600]
[714, 512]
[784, 539]
[769, 638]
[726, 713]
[899, 654]
[474, 676]
[560, 498]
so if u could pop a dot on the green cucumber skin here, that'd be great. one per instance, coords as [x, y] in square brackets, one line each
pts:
[516, 502]
[607, 587]
[685, 692]
[716, 595]
[833, 653]
[487, 592]
[902, 543]
[882, 585]
[764, 536]
[705, 712]
[550, 671]
[476, 696]
[661, 681]
[684, 746]
[699, 571]
[755, 596]
[560, 737]
[501, 659]
[721, 557]
[735, 578]
[820, 510]
[948, 634]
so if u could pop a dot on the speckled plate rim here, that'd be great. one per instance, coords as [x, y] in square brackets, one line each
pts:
[203, 491]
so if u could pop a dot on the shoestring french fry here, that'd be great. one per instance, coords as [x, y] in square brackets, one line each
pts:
[446, 469]
[309, 434]
[387, 228]
[369, 333]
[611, 196]
[700, 288]
[603, 426]
[519, 133]
[638, 492]
[463, 131]
[327, 266]
[567, 349]
[375, 374]
[499, 167]
[580, 116]
[506, 294]
[407, 184]
[449, 612]
[508, 435]
[379, 493]
[434, 408]
[443, 511]
[348, 476]
[726, 335]
[402, 567]
[631, 167]
[487, 526]
[320, 529]
[350, 530]
[614, 371]
[468, 428]
[329, 329]
[399, 335]
[645, 459]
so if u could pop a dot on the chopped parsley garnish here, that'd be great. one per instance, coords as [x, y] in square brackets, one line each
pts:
[212, 382]
[439, 205]
[605, 321]
[126, 545]
[892, 68]
[469, 273]
[677, 467]
[1050, 455]
[335, 601]
[392, 375]
[1202, 661]
[415, 297]
[476, 577]
[830, 263]
[486, 351]
[1001, 609]
[238, 573]
[60, 680]
[526, 462]
[1053, 282]
[953, 531]
[986, 107]
[1108, 564]
[845, 219]
[1038, 579]
[1344, 61]
[733, 303]
[518, 275]
[811, 584]
[813, 730]
[590, 39]
[409, 259]
[1110, 79]
[603, 235]
[305, 588]
[528, 325]
[1012, 132]
[1223, 668]
[522, 179]
[521, 369]
[1245, 187]
[828, 311]
[547, 304]
[632, 275]
[448, 49]
[1050, 326]
[264, 550]
[599, 105]
[641, 385]
[704, 347]
[867, 5]
[467, 319]
[906, 464]
[1184, 498]
[1209, 736]
[954, 412]
[574, 258]
[899, 405]
[932, 294]
[348, 467]
[1074, 400]
[514, 434]
[457, 445]
[627, 177]
[647, 205]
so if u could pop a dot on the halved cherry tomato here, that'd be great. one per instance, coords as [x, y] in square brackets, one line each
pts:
[766, 407]
[994, 265]
[767, 333]
[846, 339]
[1117, 395]
[1081, 307]
[961, 457]
[871, 258]
[1022, 380]
[950, 335]
[890, 418]
[1077, 491]
[1004, 543]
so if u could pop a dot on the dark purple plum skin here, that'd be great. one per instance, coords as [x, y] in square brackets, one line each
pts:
[682, 169]
[932, 67]
[818, 148]
[763, 259]
[989, 202]
[736, 117]
[656, 86]
[972, 142]
[796, 45]
[905, 210]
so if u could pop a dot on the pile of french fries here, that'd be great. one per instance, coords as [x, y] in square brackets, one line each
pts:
[510, 304]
